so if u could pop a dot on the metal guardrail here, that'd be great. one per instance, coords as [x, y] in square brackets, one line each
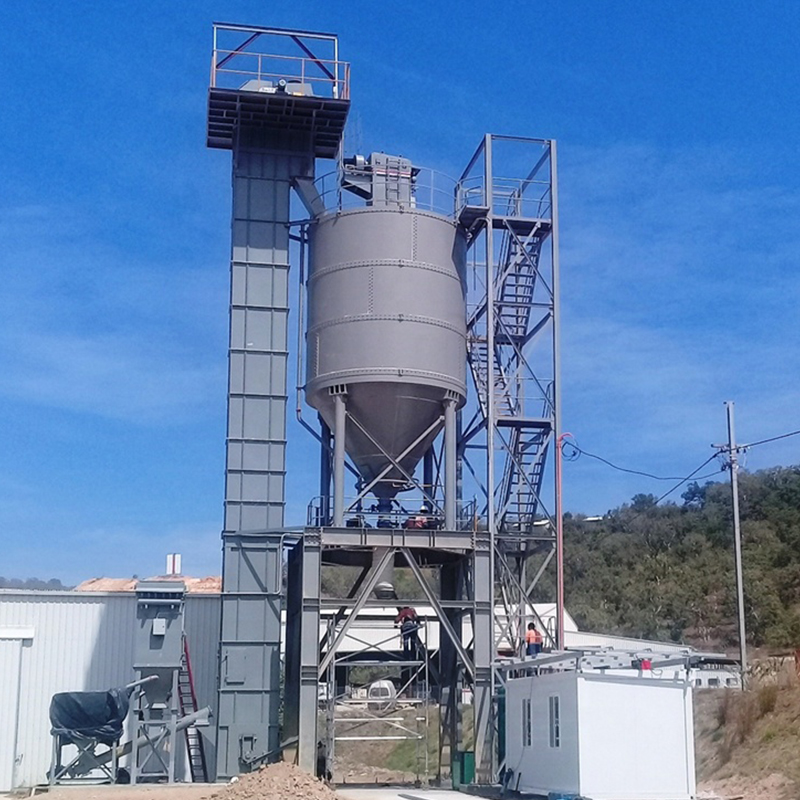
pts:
[278, 60]
[399, 519]
[510, 197]
[434, 191]
[430, 191]
[232, 69]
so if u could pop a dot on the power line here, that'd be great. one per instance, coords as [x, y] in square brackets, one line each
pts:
[771, 439]
[581, 451]
[689, 477]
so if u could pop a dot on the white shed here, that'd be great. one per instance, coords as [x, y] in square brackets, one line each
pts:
[604, 735]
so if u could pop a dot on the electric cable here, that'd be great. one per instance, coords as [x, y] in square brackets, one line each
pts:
[688, 478]
[771, 439]
[581, 451]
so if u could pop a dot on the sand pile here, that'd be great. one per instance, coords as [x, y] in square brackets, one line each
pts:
[279, 781]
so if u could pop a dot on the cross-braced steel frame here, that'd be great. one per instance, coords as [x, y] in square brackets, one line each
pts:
[508, 204]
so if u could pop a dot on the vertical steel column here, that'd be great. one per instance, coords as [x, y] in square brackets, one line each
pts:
[450, 522]
[452, 580]
[483, 558]
[309, 652]
[557, 395]
[172, 725]
[340, 421]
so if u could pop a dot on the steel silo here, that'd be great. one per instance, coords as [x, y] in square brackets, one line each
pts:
[387, 326]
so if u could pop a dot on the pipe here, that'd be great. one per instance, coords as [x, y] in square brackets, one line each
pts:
[141, 682]
[427, 473]
[559, 544]
[340, 412]
[201, 715]
[450, 465]
[325, 472]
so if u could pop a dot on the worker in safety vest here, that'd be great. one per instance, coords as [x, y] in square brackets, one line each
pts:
[533, 640]
[421, 520]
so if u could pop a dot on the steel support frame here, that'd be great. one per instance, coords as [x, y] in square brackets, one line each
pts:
[506, 321]
[308, 658]
[156, 726]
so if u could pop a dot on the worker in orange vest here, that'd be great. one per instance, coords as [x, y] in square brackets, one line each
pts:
[533, 640]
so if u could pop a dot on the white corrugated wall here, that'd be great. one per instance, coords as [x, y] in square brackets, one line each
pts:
[83, 642]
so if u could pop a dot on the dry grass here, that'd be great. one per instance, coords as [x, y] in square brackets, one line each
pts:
[767, 698]
[752, 734]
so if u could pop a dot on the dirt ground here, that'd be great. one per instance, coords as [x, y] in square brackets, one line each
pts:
[176, 792]
[274, 782]
[771, 787]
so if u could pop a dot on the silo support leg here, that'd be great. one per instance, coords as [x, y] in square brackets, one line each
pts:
[450, 523]
[340, 416]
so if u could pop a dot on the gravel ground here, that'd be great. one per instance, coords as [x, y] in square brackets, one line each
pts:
[275, 782]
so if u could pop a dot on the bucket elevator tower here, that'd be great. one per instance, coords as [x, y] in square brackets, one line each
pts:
[278, 99]
[431, 338]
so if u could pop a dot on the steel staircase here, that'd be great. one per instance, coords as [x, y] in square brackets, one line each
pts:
[526, 439]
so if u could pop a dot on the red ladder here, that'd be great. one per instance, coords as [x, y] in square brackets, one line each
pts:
[188, 705]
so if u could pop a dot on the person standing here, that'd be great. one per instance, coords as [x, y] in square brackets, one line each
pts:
[407, 620]
[533, 640]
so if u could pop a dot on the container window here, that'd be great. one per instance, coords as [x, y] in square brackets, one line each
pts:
[526, 722]
[555, 720]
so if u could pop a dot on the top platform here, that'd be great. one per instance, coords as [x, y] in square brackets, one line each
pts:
[277, 80]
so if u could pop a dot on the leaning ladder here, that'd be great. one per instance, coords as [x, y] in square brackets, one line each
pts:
[188, 703]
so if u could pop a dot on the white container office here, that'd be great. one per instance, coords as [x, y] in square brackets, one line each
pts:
[601, 734]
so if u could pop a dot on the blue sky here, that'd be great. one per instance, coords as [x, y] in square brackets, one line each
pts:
[678, 130]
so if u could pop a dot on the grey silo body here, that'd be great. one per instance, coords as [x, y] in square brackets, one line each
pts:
[386, 320]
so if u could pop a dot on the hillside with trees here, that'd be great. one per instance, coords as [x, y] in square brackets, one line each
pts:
[666, 571]
[53, 585]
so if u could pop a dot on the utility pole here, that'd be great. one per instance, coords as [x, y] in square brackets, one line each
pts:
[733, 465]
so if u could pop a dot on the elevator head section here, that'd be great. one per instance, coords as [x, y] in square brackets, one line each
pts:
[387, 315]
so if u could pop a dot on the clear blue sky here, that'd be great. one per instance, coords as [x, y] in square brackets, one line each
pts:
[678, 129]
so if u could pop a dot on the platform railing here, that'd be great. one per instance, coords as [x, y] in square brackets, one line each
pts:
[292, 75]
[431, 190]
[407, 516]
[507, 197]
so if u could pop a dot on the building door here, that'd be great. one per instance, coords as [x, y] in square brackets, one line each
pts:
[10, 651]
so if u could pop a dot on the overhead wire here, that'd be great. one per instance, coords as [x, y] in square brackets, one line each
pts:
[581, 451]
[770, 439]
[577, 451]
[689, 477]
